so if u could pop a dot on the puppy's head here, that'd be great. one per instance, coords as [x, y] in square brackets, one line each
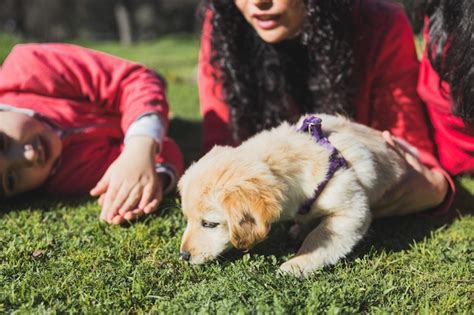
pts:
[228, 200]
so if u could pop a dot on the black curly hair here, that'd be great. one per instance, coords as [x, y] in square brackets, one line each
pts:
[261, 81]
[451, 51]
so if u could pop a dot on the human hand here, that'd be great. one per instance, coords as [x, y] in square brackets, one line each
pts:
[130, 187]
[420, 189]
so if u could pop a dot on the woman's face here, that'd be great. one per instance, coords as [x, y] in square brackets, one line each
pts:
[28, 152]
[274, 20]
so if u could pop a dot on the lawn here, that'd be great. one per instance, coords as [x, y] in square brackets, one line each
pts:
[56, 257]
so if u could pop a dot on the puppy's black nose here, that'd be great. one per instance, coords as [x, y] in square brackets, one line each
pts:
[185, 255]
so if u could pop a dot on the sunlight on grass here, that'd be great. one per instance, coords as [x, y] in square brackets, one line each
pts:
[6, 43]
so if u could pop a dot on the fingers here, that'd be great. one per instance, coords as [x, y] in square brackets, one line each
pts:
[135, 213]
[132, 201]
[101, 200]
[409, 153]
[405, 146]
[405, 150]
[119, 200]
[391, 141]
[118, 219]
[149, 192]
[108, 201]
[152, 206]
[101, 186]
[137, 199]
[415, 163]
[128, 216]
[129, 201]
[387, 136]
[129, 211]
[132, 215]
[400, 145]
[138, 212]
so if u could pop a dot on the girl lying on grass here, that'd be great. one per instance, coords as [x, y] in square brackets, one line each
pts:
[74, 121]
[447, 81]
[267, 61]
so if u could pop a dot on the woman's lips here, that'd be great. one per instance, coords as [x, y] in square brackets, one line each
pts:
[266, 22]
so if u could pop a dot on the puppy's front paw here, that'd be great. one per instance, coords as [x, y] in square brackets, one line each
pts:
[298, 266]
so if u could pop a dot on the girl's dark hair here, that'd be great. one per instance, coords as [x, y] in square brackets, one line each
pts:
[451, 50]
[261, 81]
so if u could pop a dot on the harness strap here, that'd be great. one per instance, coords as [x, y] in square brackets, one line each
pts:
[312, 125]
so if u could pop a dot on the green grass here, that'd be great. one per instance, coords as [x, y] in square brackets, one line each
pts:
[56, 257]
[6, 43]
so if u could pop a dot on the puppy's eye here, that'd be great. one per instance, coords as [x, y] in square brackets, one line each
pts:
[209, 225]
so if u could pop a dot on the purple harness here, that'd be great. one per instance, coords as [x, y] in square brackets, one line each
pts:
[312, 124]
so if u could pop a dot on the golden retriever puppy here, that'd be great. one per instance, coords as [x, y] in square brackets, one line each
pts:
[231, 196]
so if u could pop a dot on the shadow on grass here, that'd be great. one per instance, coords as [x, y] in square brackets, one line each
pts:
[399, 233]
[390, 234]
[39, 201]
[278, 244]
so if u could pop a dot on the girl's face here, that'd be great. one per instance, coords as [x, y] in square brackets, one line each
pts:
[28, 152]
[274, 20]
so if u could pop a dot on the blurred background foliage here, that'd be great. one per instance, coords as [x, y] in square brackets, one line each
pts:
[59, 20]
[125, 20]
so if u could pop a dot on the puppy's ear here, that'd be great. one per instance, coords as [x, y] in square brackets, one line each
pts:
[250, 214]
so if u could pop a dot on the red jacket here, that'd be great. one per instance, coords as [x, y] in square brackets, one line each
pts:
[385, 77]
[454, 140]
[93, 94]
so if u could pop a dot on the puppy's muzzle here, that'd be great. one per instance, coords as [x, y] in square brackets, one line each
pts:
[185, 255]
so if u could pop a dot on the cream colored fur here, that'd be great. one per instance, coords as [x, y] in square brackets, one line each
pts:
[245, 189]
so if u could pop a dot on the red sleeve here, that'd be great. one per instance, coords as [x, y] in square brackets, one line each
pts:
[395, 104]
[215, 112]
[68, 71]
[454, 139]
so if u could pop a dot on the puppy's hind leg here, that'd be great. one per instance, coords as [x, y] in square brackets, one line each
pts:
[331, 240]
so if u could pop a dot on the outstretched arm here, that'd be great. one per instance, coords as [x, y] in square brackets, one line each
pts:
[135, 182]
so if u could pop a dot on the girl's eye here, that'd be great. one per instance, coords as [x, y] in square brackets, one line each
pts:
[10, 181]
[209, 225]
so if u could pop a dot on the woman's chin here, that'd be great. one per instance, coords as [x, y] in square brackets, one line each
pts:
[274, 36]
